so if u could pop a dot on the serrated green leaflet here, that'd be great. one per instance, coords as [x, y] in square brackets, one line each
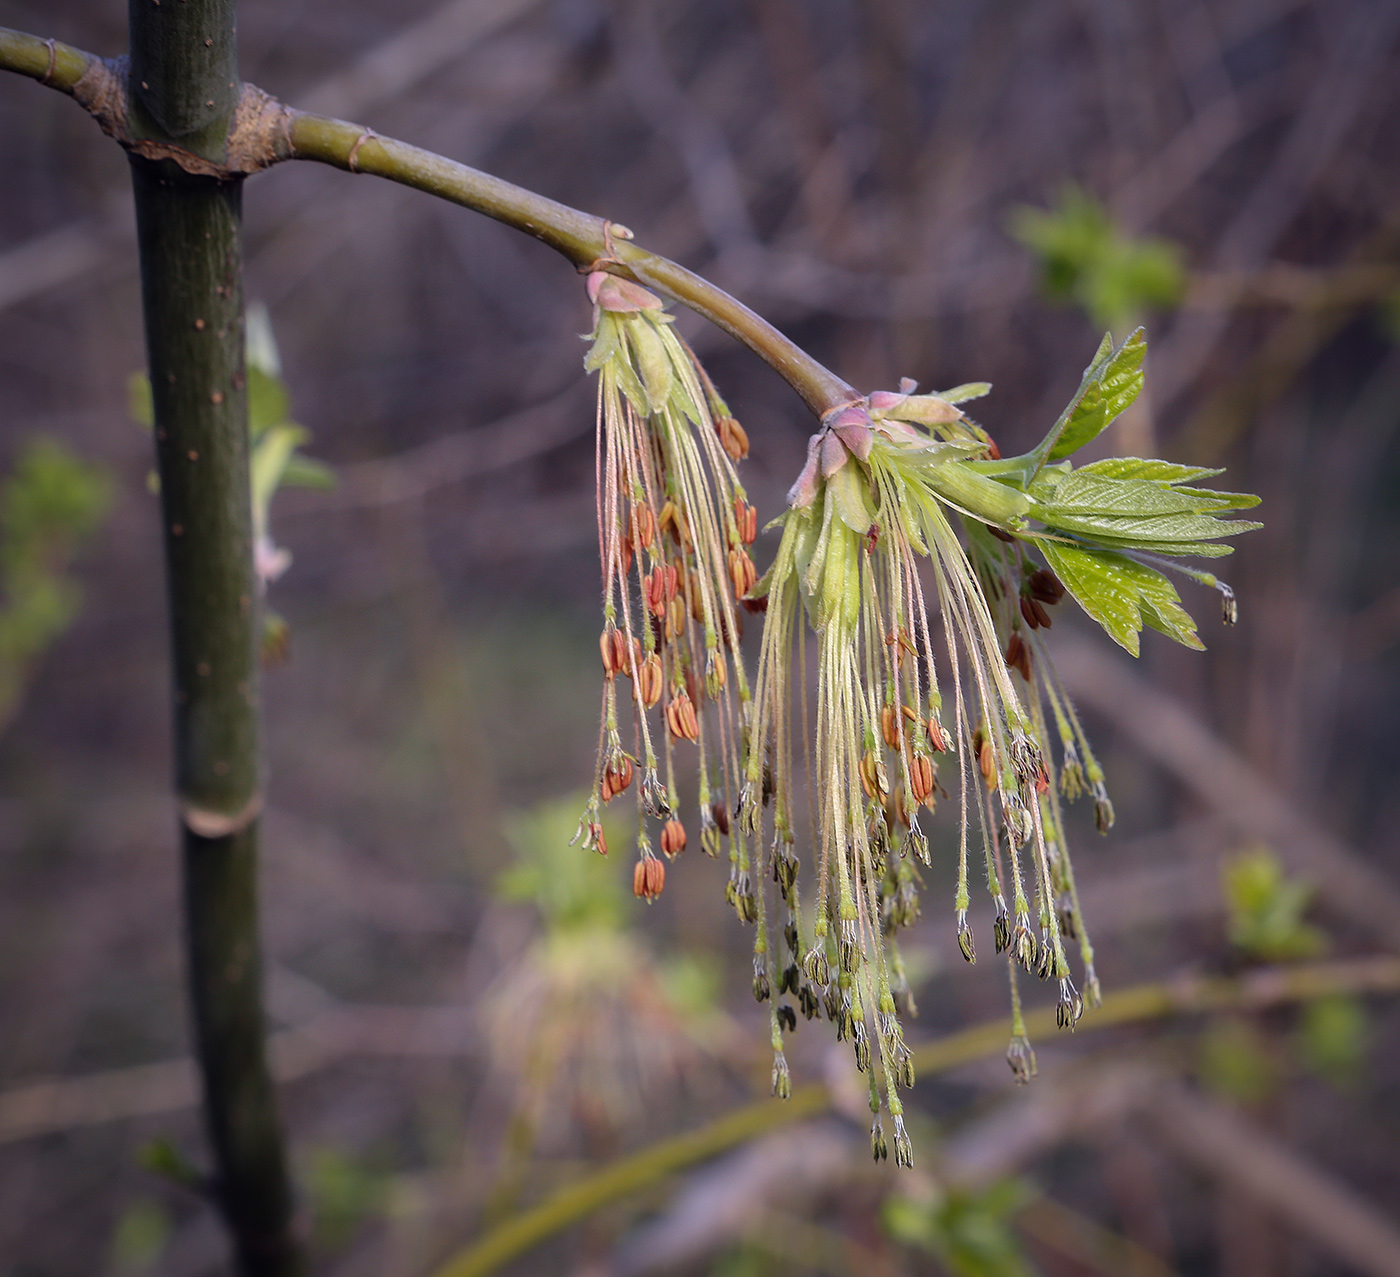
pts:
[1084, 493]
[1144, 468]
[1113, 389]
[1121, 595]
[1166, 527]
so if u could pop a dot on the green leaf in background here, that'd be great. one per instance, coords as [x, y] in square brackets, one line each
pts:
[1266, 908]
[344, 1192]
[1086, 259]
[140, 1236]
[1121, 594]
[970, 1233]
[1333, 1037]
[50, 504]
[1237, 1061]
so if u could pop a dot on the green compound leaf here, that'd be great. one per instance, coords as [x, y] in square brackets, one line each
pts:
[1121, 594]
[1116, 382]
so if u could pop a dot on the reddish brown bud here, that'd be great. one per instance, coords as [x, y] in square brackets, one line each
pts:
[649, 685]
[721, 814]
[680, 718]
[921, 774]
[993, 452]
[673, 838]
[642, 529]
[999, 534]
[733, 438]
[1045, 586]
[742, 573]
[1034, 613]
[758, 605]
[648, 878]
[746, 519]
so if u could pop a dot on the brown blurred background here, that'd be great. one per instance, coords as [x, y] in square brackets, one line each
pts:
[859, 171]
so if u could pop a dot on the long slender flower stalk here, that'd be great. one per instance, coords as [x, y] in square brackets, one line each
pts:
[910, 550]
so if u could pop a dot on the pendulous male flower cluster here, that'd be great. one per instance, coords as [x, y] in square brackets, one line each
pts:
[921, 572]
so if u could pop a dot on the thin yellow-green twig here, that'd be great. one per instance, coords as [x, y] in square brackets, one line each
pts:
[1141, 1004]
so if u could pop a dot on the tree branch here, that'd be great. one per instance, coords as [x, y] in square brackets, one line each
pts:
[1263, 988]
[261, 131]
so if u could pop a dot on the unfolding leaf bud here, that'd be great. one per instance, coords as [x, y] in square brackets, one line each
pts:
[746, 520]
[873, 778]
[617, 778]
[648, 878]
[673, 838]
[1045, 586]
[642, 529]
[1034, 613]
[680, 718]
[1018, 652]
[921, 776]
[742, 573]
[733, 438]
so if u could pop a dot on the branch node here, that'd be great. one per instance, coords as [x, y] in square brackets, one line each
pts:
[217, 824]
[53, 60]
[355, 150]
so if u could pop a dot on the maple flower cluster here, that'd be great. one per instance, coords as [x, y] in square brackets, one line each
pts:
[922, 569]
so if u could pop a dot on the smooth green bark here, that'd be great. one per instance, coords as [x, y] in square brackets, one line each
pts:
[182, 89]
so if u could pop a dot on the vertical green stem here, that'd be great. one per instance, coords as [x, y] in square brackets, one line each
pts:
[182, 89]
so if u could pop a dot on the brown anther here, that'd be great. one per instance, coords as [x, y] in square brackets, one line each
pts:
[617, 778]
[641, 526]
[935, 735]
[742, 573]
[1018, 654]
[680, 718]
[890, 726]
[648, 878]
[608, 650]
[721, 814]
[669, 520]
[986, 758]
[673, 838]
[758, 605]
[921, 776]
[659, 586]
[675, 619]
[733, 438]
[873, 778]
[649, 684]
[625, 553]
[746, 519]
[993, 452]
[872, 538]
[1034, 613]
[1045, 586]
[1000, 535]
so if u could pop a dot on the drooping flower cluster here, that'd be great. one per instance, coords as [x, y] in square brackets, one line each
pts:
[674, 531]
[909, 550]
